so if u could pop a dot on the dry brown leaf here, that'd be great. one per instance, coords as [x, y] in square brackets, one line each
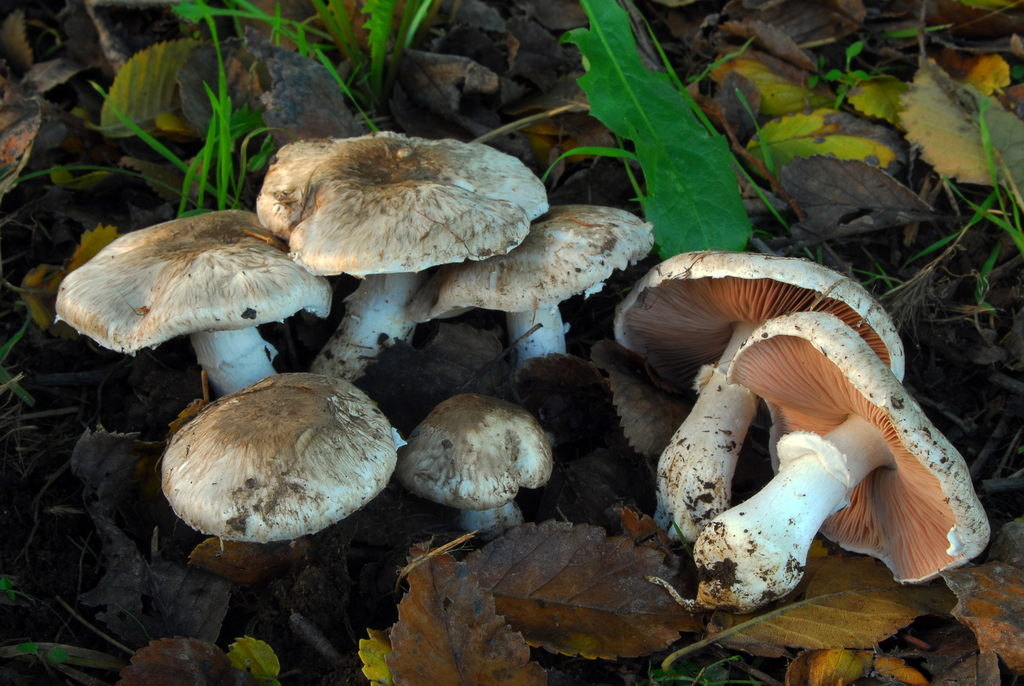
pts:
[648, 415]
[984, 72]
[14, 41]
[836, 666]
[183, 661]
[574, 591]
[804, 21]
[974, 21]
[992, 604]
[943, 117]
[567, 394]
[250, 563]
[841, 602]
[770, 38]
[448, 633]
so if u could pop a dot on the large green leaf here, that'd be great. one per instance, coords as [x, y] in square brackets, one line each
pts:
[693, 198]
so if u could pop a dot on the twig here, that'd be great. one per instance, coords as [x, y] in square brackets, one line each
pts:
[311, 634]
[1007, 383]
[993, 486]
[749, 669]
[526, 121]
[93, 629]
[990, 447]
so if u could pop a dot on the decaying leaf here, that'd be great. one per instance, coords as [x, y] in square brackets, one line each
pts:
[179, 661]
[805, 21]
[837, 666]
[783, 87]
[943, 117]
[448, 633]
[826, 132]
[648, 415]
[847, 197]
[20, 119]
[14, 41]
[973, 669]
[841, 602]
[372, 652]
[984, 72]
[574, 591]
[992, 603]
[769, 37]
[145, 87]
[250, 563]
[201, 70]
[254, 656]
[879, 97]
[567, 394]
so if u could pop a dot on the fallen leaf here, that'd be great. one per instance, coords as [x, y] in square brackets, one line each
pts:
[20, 119]
[448, 633]
[835, 667]
[372, 652]
[648, 415]
[847, 197]
[563, 133]
[971, 670]
[574, 591]
[879, 97]
[536, 54]
[556, 15]
[805, 21]
[943, 117]
[567, 394]
[254, 656]
[783, 87]
[145, 88]
[450, 86]
[183, 662]
[841, 602]
[984, 72]
[770, 38]
[201, 70]
[585, 490]
[976, 18]
[992, 603]
[163, 179]
[45, 75]
[14, 41]
[250, 563]
[825, 132]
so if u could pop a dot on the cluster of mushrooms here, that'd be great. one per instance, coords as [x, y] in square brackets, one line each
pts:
[854, 454]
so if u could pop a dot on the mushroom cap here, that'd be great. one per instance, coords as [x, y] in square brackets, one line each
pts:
[473, 452]
[287, 456]
[920, 517]
[387, 203]
[569, 250]
[212, 272]
[681, 315]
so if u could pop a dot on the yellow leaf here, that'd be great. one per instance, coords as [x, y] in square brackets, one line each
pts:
[818, 549]
[822, 132]
[372, 652]
[879, 97]
[43, 280]
[779, 95]
[984, 72]
[170, 124]
[92, 242]
[833, 667]
[890, 669]
[256, 657]
[145, 87]
[77, 183]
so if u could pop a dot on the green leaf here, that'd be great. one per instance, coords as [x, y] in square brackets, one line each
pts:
[145, 87]
[58, 655]
[379, 26]
[693, 198]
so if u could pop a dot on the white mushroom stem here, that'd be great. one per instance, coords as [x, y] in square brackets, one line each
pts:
[489, 524]
[233, 359]
[379, 307]
[756, 551]
[549, 338]
[695, 471]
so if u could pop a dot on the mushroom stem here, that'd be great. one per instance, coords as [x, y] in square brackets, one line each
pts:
[756, 552]
[549, 338]
[695, 471]
[375, 315]
[233, 359]
[489, 524]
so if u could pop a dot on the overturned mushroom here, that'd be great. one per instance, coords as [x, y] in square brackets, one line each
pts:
[686, 318]
[215, 276]
[474, 452]
[385, 207]
[856, 452]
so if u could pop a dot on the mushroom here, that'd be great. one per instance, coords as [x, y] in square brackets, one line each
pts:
[215, 276]
[570, 250]
[856, 452]
[385, 207]
[473, 452]
[686, 318]
[286, 457]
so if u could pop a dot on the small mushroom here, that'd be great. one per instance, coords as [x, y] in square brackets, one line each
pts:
[856, 452]
[473, 453]
[385, 207]
[570, 250]
[215, 276]
[686, 318]
[285, 457]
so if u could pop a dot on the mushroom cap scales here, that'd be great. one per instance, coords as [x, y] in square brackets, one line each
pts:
[387, 203]
[681, 315]
[921, 516]
[212, 272]
[473, 452]
[285, 457]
